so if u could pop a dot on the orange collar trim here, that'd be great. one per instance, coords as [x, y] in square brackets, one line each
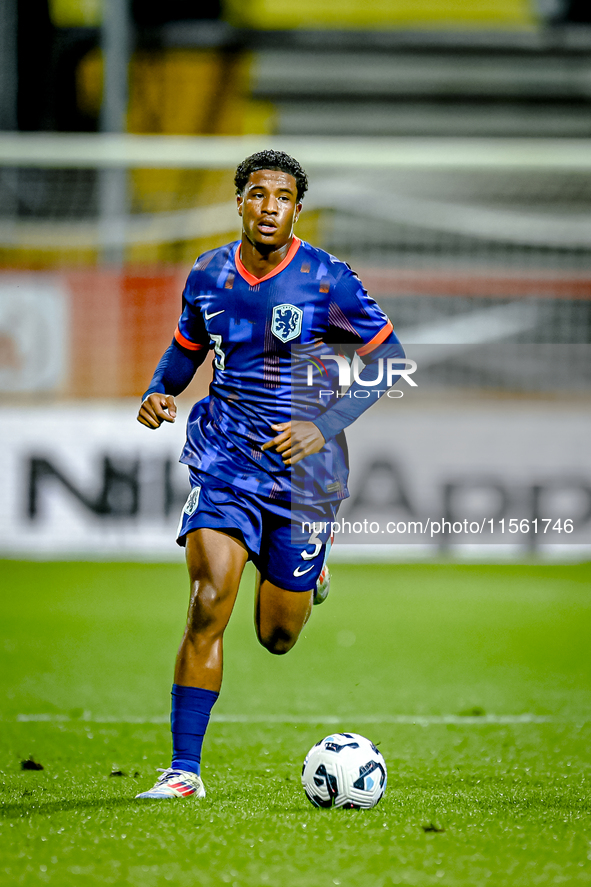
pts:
[251, 279]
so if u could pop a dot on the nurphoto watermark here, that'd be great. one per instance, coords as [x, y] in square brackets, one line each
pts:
[388, 371]
[491, 448]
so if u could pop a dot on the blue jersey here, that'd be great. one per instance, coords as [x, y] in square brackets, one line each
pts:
[270, 338]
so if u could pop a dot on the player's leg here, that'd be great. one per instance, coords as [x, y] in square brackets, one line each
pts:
[291, 560]
[280, 615]
[215, 561]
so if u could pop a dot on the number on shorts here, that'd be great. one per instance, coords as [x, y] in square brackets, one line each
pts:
[316, 542]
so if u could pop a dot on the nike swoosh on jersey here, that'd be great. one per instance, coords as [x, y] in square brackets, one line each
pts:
[299, 572]
[213, 314]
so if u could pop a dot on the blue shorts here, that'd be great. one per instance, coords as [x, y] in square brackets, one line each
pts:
[287, 547]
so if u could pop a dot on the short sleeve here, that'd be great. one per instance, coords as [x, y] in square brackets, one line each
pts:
[354, 317]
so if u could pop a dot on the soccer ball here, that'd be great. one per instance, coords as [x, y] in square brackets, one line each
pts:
[344, 770]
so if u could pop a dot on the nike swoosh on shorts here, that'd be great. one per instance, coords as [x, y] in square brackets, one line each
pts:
[299, 572]
[213, 314]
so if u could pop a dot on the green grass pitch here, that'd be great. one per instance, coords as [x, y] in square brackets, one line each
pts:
[476, 794]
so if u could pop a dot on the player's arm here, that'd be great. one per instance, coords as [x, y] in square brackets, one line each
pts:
[357, 319]
[176, 368]
[349, 408]
[299, 439]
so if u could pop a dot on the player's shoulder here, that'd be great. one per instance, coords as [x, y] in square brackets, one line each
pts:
[209, 265]
[327, 265]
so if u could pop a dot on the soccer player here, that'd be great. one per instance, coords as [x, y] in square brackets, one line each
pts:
[266, 453]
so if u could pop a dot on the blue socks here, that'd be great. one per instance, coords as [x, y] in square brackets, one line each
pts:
[191, 708]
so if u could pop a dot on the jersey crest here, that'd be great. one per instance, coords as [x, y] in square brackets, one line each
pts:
[192, 502]
[286, 323]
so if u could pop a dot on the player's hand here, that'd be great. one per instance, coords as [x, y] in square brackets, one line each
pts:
[295, 441]
[156, 409]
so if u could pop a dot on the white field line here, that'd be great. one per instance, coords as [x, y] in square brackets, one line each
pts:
[418, 720]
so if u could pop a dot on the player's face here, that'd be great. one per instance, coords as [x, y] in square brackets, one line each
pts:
[269, 208]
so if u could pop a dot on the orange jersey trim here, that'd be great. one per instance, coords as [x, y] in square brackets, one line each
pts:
[251, 279]
[377, 340]
[186, 343]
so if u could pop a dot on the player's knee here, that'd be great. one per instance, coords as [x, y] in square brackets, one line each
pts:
[279, 641]
[205, 610]
[277, 647]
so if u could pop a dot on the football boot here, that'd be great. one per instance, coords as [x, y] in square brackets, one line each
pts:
[175, 784]
[322, 586]
[323, 582]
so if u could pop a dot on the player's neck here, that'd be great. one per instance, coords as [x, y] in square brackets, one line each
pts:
[258, 263]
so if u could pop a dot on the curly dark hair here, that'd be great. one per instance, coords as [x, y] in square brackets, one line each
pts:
[277, 160]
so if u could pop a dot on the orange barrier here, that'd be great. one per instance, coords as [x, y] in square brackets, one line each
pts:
[99, 334]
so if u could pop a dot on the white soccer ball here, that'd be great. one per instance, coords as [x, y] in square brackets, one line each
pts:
[344, 770]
